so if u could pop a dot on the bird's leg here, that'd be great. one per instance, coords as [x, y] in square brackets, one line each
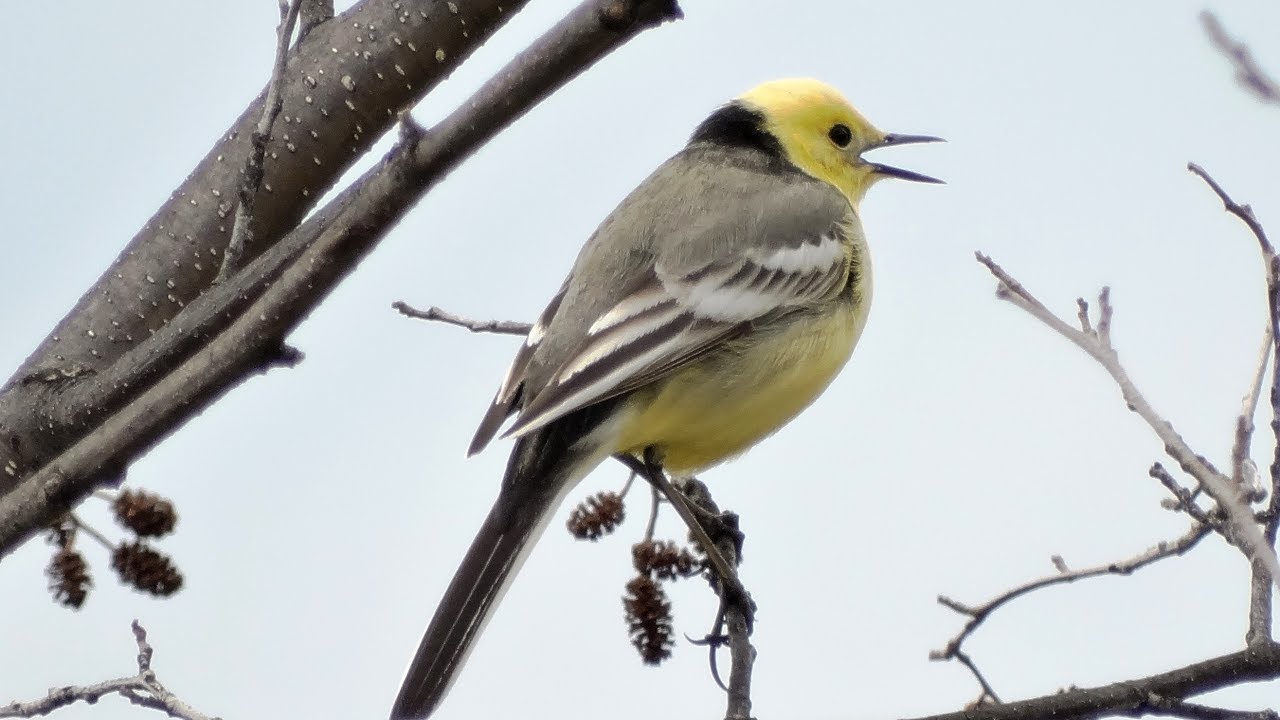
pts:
[732, 590]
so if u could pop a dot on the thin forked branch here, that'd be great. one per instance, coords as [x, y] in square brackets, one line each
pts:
[1264, 575]
[1243, 530]
[499, 327]
[143, 689]
[977, 614]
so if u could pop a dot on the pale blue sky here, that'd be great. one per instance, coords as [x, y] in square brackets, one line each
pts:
[324, 508]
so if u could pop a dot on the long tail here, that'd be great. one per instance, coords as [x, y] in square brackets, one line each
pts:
[543, 468]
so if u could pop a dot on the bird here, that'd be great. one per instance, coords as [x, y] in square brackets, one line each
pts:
[714, 304]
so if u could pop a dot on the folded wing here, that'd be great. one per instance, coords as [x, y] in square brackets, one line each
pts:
[678, 314]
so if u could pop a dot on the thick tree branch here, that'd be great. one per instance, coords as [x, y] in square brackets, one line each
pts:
[1138, 696]
[143, 689]
[225, 334]
[344, 84]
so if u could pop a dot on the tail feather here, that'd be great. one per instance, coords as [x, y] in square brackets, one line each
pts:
[468, 604]
[542, 469]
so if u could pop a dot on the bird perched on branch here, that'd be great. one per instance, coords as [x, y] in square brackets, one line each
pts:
[711, 307]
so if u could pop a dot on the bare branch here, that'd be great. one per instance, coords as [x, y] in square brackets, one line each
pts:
[500, 327]
[143, 689]
[988, 693]
[1244, 532]
[252, 182]
[1265, 575]
[953, 650]
[1243, 471]
[1135, 697]
[1185, 500]
[1244, 212]
[736, 609]
[1248, 72]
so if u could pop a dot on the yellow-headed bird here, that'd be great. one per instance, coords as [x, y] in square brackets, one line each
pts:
[715, 303]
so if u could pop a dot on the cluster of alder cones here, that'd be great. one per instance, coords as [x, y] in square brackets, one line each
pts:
[136, 561]
[645, 604]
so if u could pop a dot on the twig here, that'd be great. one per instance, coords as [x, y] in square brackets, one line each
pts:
[1185, 499]
[736, 607]
[1243, 472]
[626, 486]
[1172, 707]
[724, 568]
[1254, 664]
[654, 500]
[143, 689]
[988, 693]
[1248, 72]
[1265, 575]
[1244, 532]
[241, 234]
[1244, 212]
[979, 613]
[92, 532]
[500, 327]
[736, 611]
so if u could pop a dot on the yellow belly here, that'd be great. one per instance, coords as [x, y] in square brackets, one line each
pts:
[721, 405]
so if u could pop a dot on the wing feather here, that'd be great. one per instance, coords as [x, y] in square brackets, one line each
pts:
[507, 399]
[681, 314]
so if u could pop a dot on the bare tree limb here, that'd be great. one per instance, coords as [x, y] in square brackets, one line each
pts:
[1264, 575]
[977, 614]
[1244, 532]
[252, 181]
[500, 327]
[1139, 696]
[1248, 72]
[1244, 212]
[143, 689]
[736, 610]
[242, 321]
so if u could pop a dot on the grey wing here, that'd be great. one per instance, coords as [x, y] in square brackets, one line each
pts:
[507, 399]
[701, 292]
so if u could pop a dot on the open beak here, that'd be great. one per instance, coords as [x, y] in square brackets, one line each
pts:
[890, 171]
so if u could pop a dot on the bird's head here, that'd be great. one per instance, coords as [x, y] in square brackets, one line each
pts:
[818, 131]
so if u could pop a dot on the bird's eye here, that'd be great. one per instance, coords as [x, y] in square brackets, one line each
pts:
[841, 135]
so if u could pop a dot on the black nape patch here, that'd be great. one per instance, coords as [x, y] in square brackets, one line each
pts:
[736, 126]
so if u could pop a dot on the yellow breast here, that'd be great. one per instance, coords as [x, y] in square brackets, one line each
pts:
[723, 404]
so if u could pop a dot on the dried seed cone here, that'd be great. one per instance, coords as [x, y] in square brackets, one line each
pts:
[69, 579]
[649, 622]
[146, 569]
[597, 516]
[146, 514]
